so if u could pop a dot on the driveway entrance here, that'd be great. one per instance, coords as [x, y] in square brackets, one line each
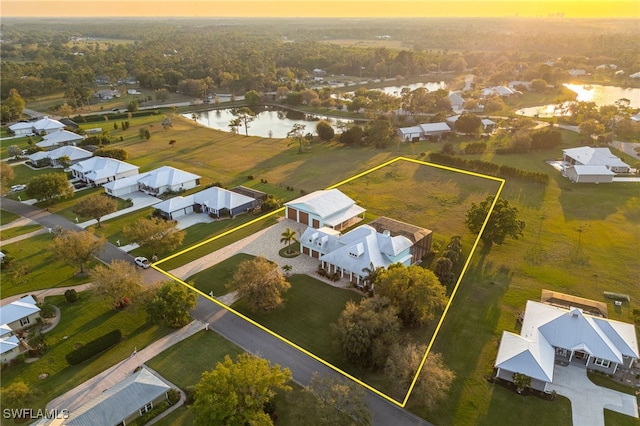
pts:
[588, 400]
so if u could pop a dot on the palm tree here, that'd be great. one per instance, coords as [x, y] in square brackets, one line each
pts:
[288, 237]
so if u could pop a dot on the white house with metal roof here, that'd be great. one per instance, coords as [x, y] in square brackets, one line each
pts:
[60, 138]
[349, 254]
[44, 125]
[166, 179]
[591, 165]
[553, 335]
[100, 170]
[73, 153]
[325, 208]
[20, 314]
[424, 131]
[122, 403]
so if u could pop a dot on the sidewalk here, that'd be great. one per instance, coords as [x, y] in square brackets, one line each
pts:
[93, 387]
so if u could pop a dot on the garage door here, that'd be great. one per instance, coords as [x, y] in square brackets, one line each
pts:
[316, 224]
[315, 254]
[292, 214]
[304, 218]
[182, 212]
[305, 250]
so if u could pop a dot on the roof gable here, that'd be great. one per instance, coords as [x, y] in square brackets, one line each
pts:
[119, 401]
[532, 358]
[17, 310]
[322, 203]
[166, 176]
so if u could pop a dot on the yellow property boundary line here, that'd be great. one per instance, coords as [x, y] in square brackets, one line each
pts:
[301, 349]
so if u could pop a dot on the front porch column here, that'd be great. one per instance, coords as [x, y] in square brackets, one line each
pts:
[341, 273]
[615, 367]
[588, 358]
[571, 356]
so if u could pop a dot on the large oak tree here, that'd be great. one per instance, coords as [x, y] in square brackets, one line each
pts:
[170, 305]
[156, 235]
[117, 281]
[260, 284]
[95, 207]
[502, 224]
[49, 186]
[76, 248]
[235, 393]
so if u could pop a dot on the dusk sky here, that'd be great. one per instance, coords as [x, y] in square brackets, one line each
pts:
[319, 8]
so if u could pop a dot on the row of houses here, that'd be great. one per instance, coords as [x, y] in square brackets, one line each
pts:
[437, 131]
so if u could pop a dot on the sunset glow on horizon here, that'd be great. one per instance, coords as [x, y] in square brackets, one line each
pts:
[320, 8]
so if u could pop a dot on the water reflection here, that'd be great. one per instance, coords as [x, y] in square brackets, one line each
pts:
[600, 95]
[272, 122]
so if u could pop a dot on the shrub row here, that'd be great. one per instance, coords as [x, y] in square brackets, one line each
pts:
[94, 347]
[475, 148]
[486, 167]
[112, 116]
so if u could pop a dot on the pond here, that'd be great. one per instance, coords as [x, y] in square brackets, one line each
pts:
[396, 90]
[272, 122]
[600, 95]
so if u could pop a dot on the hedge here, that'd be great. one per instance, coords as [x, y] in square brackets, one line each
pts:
[486, 167]
[94, 347]
[113, 116]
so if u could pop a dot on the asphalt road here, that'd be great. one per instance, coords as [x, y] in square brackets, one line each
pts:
[235, 329]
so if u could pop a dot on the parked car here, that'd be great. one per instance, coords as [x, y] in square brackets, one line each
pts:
[142, 262]
[16, 188]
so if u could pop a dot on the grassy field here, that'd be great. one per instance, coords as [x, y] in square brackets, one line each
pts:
[218, 276]
[81, 322]
[43, 269]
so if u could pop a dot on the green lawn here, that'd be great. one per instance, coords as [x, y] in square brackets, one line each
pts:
[44, 270]
[310, 307]
[7, 217]
[17, 231]
[81, 322]
[218, 276]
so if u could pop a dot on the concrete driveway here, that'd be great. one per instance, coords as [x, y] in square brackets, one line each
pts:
[588, 401]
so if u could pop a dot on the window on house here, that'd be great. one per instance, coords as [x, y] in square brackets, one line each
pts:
[602, 362]
[24, 321]
[146, 408]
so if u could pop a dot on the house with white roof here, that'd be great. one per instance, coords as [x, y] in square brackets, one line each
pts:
[60, 138]
[457, 102]
[155, 182]
[214, 201]
[432, 131]
[326, 208]
[553, 335]
[167, 179]
[498, 90]
[45, 125]
[591, 165]
[106, 94]
[19, 314]
[121, 403]
[349, 254]
[99, 170]
[73, 153]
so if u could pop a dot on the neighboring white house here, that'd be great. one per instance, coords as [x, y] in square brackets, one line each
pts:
[350, 254]
[514, 84]
[552, 334]
[44, 125]
[60, 138]
[326, 208]
[99, 170]
[166, 179]
[498, 90]
[121, 403]
[457, 102]
[73, 153]
[214, 201]
[106, 94]
[424, 131]
[591, 165]
[19, 314]
[635, 75]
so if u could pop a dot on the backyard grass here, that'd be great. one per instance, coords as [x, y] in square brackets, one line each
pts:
[44, 270]
[8, 217]
[81, 322]
[607, 382]
[17, 231]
